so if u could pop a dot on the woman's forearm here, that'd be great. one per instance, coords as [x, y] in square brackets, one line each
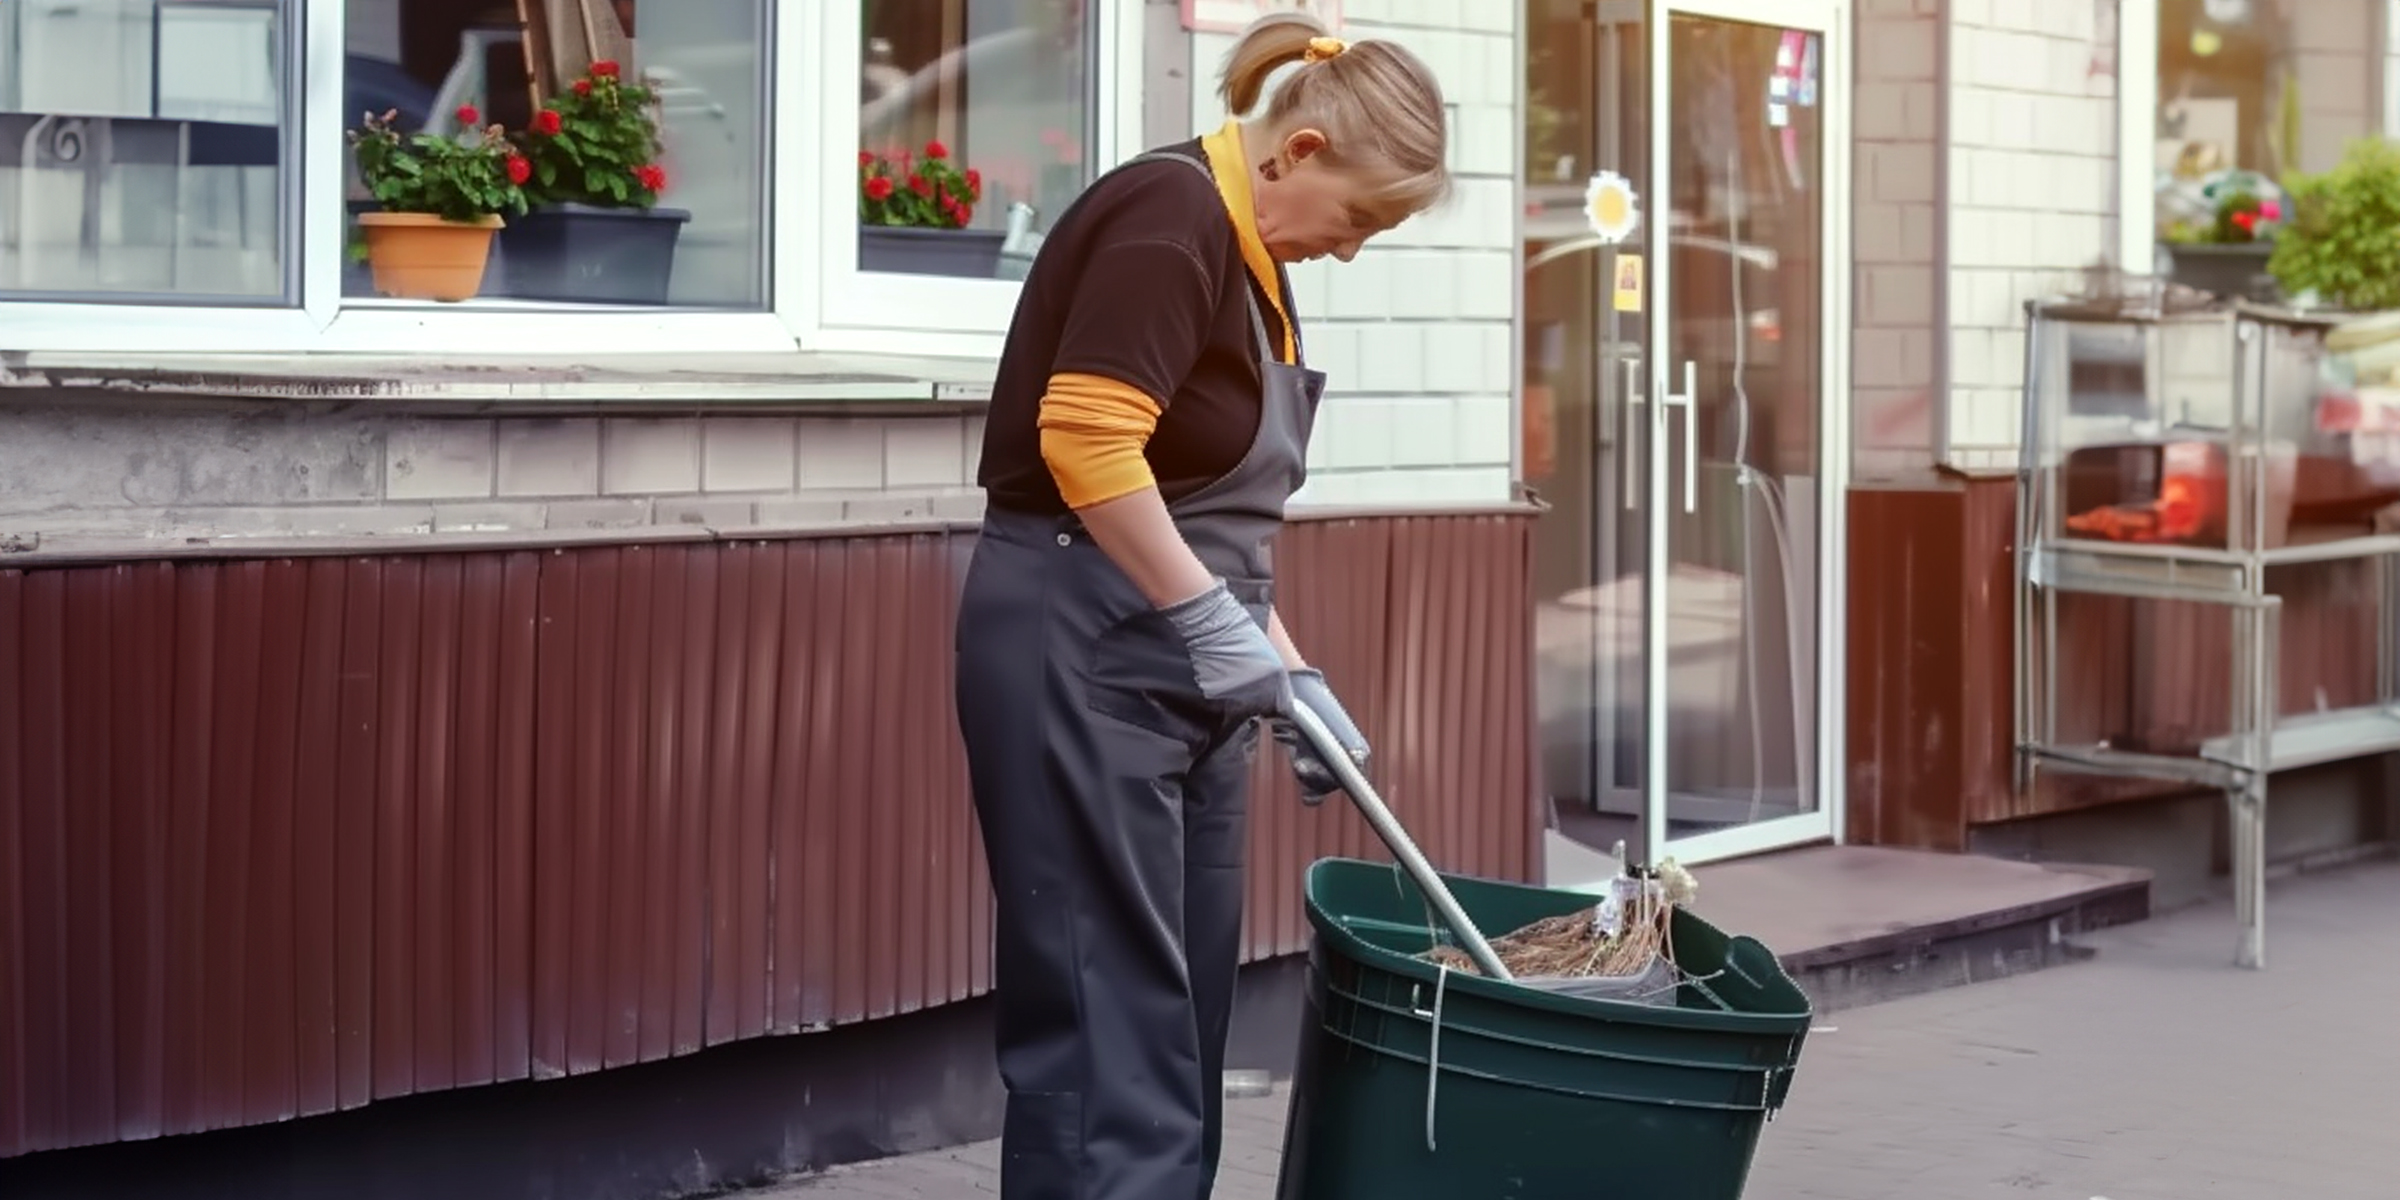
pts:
[1136, 533]
[1282, 638]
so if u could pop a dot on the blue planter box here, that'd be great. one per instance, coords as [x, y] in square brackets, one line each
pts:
[908, 250]
[589, 255]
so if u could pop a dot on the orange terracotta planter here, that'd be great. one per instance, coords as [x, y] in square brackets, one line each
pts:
[419, 256]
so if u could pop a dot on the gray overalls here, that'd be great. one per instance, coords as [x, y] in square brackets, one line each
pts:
[1112, 801]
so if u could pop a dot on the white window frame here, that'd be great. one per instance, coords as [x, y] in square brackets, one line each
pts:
[2137, 135]
[828, 302]
[322, 322]
[816, 297]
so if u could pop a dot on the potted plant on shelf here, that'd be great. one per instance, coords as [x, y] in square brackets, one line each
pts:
[595, 232]
[2222, 245]
[439, 201]
[913, 214]
[2342, 247]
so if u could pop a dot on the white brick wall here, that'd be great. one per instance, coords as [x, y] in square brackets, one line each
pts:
[1417, 335]
[2337, 77]
[147, 474]
[2032, 187]
[1896, 272]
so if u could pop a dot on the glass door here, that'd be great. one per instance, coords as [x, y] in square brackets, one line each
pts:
[1742, 481]
[1585, 431]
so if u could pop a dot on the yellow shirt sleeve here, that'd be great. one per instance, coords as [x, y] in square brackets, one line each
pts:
[1093, 432]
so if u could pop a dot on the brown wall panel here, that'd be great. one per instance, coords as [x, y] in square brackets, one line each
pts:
[1933, 656]
[1908, 643]
[280, 837]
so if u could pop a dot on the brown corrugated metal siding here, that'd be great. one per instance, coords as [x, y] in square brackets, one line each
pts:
[1932, 655]
[280, 837]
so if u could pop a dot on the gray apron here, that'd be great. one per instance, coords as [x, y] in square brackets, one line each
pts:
[1112, 800]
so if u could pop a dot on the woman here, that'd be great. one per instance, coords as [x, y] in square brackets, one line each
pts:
[1117, 640]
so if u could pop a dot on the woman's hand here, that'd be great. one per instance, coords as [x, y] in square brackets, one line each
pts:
[1317, 777]
[1233, 659]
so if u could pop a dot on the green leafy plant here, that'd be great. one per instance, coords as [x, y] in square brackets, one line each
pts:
[929, 192]
[2343, 242]
[476, 174]
[596, 143]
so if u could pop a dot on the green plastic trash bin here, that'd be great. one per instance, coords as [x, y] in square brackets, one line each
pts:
[1414, 1082]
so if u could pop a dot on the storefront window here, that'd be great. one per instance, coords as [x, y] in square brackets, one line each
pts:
[697, 241]
[144, 147]
[2250, 91]
[969, 111]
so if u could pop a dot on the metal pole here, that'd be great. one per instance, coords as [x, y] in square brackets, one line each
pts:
[1388, 828]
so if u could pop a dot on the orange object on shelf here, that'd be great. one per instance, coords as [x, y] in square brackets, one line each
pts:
[2190, 498]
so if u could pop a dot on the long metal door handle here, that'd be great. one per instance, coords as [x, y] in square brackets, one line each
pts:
[1686, 401]
[1625, 445]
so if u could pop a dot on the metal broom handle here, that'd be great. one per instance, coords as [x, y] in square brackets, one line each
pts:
[1388, 828]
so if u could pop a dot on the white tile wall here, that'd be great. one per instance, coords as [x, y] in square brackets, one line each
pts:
[2031, 174]
[749, 454]
[1417, 334]
[1895, 270]
[654, 456]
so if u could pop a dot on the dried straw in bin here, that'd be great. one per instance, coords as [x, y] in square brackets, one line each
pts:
[1572, 946]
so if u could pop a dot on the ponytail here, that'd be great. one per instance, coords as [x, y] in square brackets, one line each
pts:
[1270, 43]
[1377, 104]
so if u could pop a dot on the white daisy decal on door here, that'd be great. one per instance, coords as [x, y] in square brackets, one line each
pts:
[1611, 207]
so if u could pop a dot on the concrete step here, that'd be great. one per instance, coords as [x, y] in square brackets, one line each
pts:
[1858, 925]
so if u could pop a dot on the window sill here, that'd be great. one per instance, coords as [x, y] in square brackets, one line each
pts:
[546, 385]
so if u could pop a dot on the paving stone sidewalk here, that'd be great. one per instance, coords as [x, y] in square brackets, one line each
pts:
[2156, 1071]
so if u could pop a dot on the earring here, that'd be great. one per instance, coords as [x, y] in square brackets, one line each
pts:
[1269, 169]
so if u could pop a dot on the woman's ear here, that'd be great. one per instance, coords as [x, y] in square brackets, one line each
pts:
[1302, 144]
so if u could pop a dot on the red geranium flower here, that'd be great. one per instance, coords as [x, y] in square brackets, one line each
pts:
[866, 158]
[879, 188]
[468, 116]
[974, 181]
[652, 176]
[605, 68]
[546, 122]
[583, 87]
[935, 149]
[920, 185]
[519, 169]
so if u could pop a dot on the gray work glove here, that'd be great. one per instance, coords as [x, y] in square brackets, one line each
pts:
[1237, 667]
[1317, 779]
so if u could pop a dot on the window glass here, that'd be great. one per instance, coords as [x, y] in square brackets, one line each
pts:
[143, 150]
[646, 187]
[2251, 90]
[969, 109]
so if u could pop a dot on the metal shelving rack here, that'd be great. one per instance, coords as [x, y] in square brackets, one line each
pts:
[2260, 407]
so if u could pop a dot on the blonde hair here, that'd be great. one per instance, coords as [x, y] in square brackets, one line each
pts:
[1377, 104]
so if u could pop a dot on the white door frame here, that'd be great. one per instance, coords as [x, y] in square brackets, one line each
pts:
[1830, 20]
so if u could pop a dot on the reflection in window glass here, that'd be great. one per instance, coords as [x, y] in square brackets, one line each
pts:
[697, 241]
[968, 109]
[142, 145]
[2251, 90]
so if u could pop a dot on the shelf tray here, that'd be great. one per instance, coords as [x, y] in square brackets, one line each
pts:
[2309, 740]
[2317, 738]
